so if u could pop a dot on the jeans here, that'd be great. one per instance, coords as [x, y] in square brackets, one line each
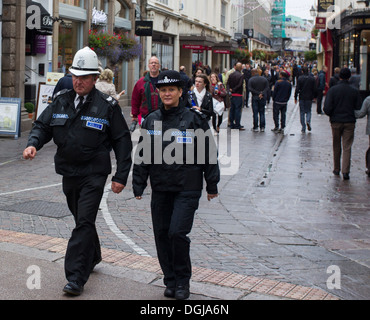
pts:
[320, 97]
[236, 112]
[277, 110]
[258, 107]
[305, 107]
[172, 216]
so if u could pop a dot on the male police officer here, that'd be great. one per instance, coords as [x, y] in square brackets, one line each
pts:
[174, 137]
[85, 125]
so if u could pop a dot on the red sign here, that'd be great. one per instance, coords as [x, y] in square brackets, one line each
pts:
[320, 23]
[193, 47]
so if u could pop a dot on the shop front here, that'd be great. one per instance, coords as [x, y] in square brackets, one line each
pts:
[352, 45]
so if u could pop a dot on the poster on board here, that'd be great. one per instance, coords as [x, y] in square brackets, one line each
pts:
[44, 97]
[10, 116]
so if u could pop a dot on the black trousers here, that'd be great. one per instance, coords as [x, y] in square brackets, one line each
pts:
[83, 197]
[173, 216]
[319, 99]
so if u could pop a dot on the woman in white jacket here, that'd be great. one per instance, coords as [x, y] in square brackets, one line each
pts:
[365, 110]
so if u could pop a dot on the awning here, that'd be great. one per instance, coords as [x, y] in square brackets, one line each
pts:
[38, 18]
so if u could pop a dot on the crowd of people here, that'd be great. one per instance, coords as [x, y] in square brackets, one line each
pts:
[86, 123]
[212, 92]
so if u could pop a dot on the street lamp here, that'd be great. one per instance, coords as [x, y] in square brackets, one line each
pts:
[313, 12]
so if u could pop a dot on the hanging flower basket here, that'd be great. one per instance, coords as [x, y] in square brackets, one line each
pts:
[115, 47]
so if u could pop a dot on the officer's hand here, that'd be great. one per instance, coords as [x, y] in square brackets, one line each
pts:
[29, 153]
[138, 198]
[117, 187]
[211, 196]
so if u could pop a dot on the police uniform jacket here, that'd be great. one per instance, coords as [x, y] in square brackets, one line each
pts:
[85, 138]
[177, 129]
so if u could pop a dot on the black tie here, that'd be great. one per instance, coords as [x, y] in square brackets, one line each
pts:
[81, 98]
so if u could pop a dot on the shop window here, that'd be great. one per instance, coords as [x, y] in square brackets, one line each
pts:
[69, 43]
[121, 10]
[365, 60]
[76, 3]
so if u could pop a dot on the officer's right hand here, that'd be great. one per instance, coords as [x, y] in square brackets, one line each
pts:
[29, 153]
[138, 198]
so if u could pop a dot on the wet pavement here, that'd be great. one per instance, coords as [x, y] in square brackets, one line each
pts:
[282, 218]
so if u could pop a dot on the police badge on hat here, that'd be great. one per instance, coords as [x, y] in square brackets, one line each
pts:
[169, 78]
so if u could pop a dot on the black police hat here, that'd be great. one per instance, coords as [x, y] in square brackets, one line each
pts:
[169, 78]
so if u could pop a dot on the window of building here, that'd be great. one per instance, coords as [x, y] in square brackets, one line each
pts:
[365, 60]
[76, 3]
[223, 15]
[70, 38]
[162, 47]
[163, 1]
[121, 10]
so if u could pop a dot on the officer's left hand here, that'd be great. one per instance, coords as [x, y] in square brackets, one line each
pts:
[211, 196]
[117, 187]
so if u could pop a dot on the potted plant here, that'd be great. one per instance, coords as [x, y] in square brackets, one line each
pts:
[30, 107]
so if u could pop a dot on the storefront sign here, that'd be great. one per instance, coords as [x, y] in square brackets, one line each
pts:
[222, 51]
[361, 21]
[144, 28]
[320, 23]
[40, 44]
[38, 18]
[324, 5]
[99, 17]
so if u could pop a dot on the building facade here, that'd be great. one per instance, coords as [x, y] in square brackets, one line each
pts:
[299, 31]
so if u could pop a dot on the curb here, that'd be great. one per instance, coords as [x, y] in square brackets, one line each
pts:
[246, 284]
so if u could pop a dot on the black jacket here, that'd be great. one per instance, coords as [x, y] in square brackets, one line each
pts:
[257, 85]
[306, 88]
[167, 152]
[341, 102]
[85, 138]
[207, 104]
[282, 91]
[235, 82]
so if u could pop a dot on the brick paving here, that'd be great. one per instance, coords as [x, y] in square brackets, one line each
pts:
[202, 275]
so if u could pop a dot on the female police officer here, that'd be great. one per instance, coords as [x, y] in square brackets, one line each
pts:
[175, 150]
[85, 125]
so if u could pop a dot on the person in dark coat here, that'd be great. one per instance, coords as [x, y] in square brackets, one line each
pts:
[176, 178]
[341, 102]
[281, 96]
[306, 91]
[86, 125]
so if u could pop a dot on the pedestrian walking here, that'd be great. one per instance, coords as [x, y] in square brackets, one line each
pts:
[201, 98]
[85, 125]
[281, 96]
[355, 79]
[218, 92]
[321, 89]
[365, 111]
[64, 83]
[186, 81]
[341, 102]
[335, 78]
[176, 183]
[306, 91]
[247, 73]
[259, 87]
[235, 84]
[145, 98]
[105, 84]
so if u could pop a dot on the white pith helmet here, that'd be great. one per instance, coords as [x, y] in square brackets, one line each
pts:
[85, 62]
